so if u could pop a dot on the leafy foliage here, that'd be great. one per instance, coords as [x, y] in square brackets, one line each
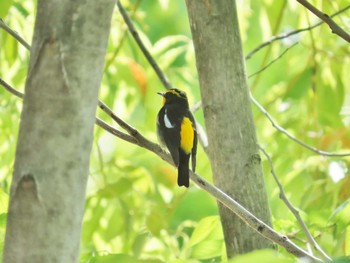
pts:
[134, 210]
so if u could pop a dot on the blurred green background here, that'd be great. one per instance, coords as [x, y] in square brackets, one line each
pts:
[134, 210]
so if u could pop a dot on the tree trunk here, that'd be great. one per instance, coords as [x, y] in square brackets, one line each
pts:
[233, 150]
[56, 131]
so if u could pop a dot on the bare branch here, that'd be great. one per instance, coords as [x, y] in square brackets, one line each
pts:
[273, 61]
[327, 19]
[292, 137]
[286, 35]
[295, 212]
[14, 34]
[10, 89]
[114, 131]
[144, 50]
[122, 39]
[266, 231]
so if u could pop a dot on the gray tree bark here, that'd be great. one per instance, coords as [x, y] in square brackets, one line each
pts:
[56, 131]
[233, 150]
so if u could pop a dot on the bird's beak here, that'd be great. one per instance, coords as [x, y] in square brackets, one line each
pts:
[161, 93]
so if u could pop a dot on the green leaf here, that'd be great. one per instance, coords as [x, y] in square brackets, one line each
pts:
[204, 228]
[171, 55]
[341, 215]
[156, 221]
[113, 258]
[300, 85]
[341, 260]
[20, 8]
[207, 249]
[4, 199]
[11, 48]
[166, 43]
[3, 217]
[4, 7]
[261, 256]
[191, 209]
[117, 189]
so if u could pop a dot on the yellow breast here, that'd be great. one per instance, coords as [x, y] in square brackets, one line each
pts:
[186, 135]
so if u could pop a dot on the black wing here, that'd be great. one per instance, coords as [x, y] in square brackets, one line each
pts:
[169, 131]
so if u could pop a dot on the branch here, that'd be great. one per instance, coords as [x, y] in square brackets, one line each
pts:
[122, 39]
[144, 50]
[114, 131]
[10, 89]
[286, 35]
[273, 61]
[327, 19]
[292, 137]
[14, 34]
[295, 212]
[255, 223]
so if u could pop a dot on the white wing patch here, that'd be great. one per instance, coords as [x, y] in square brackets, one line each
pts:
[167, 122]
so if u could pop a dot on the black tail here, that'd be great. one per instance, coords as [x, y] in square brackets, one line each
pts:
[183, 177]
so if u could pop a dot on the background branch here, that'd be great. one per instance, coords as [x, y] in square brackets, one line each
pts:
[273, 61]
[10, 89]
[144, 50]
[292, 137]
[286, 35]
[14, 34]
[327, 19]
[290, 206]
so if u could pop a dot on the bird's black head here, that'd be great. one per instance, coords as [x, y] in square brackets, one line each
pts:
[173, 96]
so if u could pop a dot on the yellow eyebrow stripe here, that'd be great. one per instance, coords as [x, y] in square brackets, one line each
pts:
[186, 135]
[173, 92]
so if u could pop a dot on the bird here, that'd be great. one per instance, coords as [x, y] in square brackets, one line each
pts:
[176, 129]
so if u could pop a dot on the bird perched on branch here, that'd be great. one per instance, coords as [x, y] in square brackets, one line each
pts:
[176, 129]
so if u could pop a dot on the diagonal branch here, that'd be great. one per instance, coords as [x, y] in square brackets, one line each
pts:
[273, 61]
[292, 137]
[255, 223]
[144, 50]
[14, 34]
[327, 19]
[290, 206]
[286, 35]
[11, 90]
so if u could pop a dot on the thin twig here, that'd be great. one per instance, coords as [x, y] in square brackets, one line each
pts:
[122, 123]
[122, 39]
[273, 61]
[14, 34]
[144, 50]
[292, 137]
[196, 106]
[10, 89]
[114, 131]
[259, 226]
[98, 121]
[286, 35]
[327, 19]
[290, 206]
